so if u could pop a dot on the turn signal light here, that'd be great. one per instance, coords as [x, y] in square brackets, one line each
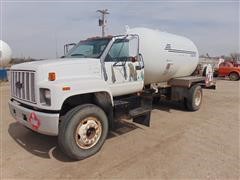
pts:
[52, 76]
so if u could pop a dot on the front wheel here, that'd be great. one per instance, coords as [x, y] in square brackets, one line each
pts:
[83, 131]
[233, 76]
[193, 100]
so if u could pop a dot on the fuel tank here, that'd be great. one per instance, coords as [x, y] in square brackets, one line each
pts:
[165, 55]
[5, 54]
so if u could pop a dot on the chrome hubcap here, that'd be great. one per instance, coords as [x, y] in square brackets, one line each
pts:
[88, 132]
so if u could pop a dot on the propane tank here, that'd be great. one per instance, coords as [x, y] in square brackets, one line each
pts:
[165, 55]
[5, 53]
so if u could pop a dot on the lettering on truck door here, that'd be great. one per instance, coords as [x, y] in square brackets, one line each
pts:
[123, 66]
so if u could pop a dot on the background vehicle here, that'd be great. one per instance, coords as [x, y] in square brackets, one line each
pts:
[230, 69]
[78, 97]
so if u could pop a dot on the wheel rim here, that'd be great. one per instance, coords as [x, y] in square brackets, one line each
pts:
[198, 98]
[233, 77]
[88, 132]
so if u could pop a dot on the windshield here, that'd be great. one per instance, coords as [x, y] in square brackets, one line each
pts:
[88, 49]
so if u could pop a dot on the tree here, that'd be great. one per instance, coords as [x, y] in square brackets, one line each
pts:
[235, 57]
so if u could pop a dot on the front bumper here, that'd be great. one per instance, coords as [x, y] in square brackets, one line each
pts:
[44, 123]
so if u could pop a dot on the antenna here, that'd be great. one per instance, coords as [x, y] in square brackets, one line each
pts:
[102, 21]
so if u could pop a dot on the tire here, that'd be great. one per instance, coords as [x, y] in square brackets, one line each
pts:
[234, 76]
[78, 130]
[193, 100]
[215, 73]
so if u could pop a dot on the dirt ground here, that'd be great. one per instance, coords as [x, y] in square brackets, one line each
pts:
[179, 144]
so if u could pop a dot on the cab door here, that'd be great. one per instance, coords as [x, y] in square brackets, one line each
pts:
[124, 69]
[224, 69]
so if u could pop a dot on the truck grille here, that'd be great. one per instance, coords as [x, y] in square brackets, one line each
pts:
[23, 85]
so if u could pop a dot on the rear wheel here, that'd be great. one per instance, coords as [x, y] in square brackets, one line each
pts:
[193, 100]
[233, 76]
[83, 131]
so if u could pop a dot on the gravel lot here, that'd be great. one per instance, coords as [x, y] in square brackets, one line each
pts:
[179, 144]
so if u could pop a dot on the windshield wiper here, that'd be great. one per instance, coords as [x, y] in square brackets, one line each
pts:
[78, 54]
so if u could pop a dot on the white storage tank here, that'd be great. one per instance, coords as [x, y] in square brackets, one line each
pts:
[165, 55]
[5, 54]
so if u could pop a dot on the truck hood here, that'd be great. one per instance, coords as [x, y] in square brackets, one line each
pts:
[64, 68]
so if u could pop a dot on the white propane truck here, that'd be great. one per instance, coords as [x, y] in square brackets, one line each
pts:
[77, 96]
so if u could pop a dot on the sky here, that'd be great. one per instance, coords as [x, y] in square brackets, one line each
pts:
[39, 29]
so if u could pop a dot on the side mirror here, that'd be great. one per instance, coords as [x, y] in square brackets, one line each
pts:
[141, 60]
[68, 47]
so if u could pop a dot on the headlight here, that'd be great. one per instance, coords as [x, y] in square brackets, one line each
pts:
[45, 96]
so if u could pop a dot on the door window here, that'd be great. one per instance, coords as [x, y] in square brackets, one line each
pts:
[119, 51]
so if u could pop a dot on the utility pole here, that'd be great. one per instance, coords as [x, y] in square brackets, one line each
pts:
[102, 21]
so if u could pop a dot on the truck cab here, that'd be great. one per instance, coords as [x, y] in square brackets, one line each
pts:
[91, 74]
[118, 57]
